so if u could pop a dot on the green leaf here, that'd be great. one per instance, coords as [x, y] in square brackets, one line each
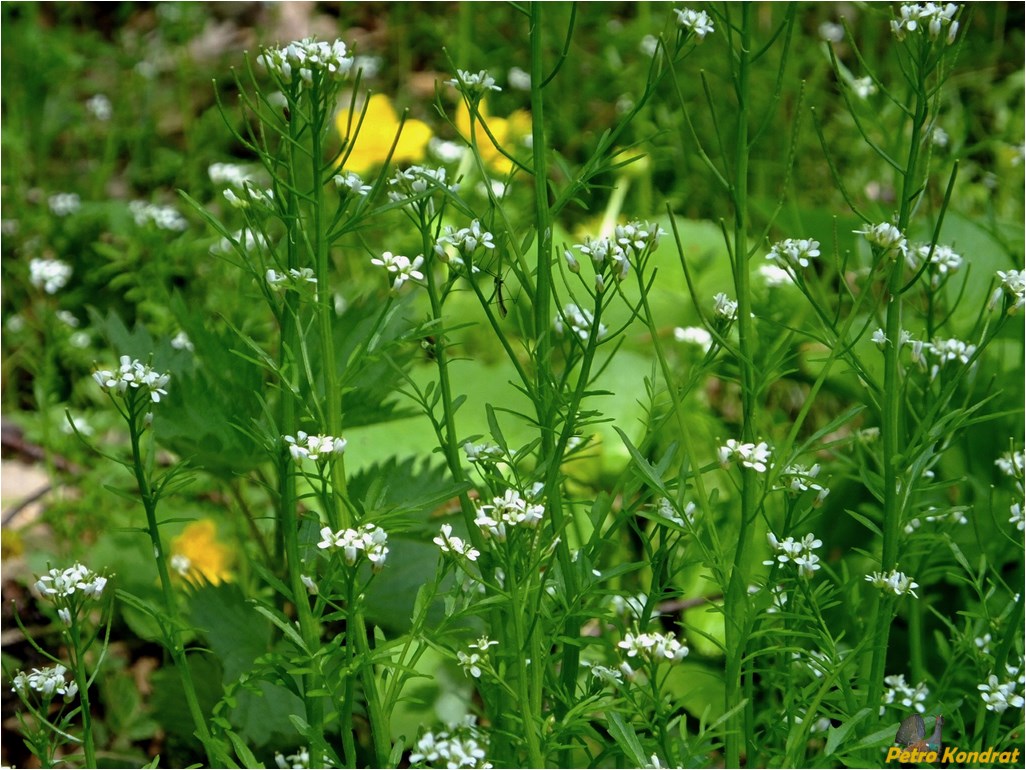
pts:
[836, 735]
[626, 738]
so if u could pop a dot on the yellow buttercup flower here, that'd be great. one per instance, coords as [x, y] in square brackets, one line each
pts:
[508, 132]
[377, 133]
[197, 551]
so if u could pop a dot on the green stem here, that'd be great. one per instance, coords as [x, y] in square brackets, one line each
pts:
[545, 388]
[286, 473]
[215, 756]
[523, 652]
[82, 680]
[892, 418]
[736, 603]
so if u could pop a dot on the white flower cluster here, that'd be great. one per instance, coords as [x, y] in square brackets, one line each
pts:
[947, 351]
[232, 174]
[1011, 464]
[631, 607]
[351, 182]
[99, 107]
[370, 540]
[300, 760]
[798, 552]
[955, 514]
[60, 584]
[1000, 696]
[255, 195]
[943, 261]
[461, 746]
[471, 662]
[694, 335]
[754, 456]
[509, 510]
[884, 235]
[162, 217]
[134, 375]
[580, 321]
[604, 674]
[465, 240]
[899, 691]
[50, 275]
[724, 307]
[303, 446]
[794, 253]
[898, 583]
[801, 479]
[667, 511]
[697, 22]
[47, 682]
[304, 57]
[245, 239]
[653, 647]
[614, 254]
[485, 452]
[414, 181]
[474, 84]
[449, 543]
[404, 268]
[64, 204]
[293, 279]
[1013, 285]
[931, 17]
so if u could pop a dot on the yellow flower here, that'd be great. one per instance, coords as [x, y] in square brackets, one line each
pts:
[377, 133]
[197, 551]
[508, 132]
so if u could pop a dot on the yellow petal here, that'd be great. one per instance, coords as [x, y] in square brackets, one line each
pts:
[377, 133]
[207, 556]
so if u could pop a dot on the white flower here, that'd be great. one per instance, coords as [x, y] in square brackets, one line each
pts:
[474, 84]
[880, 338]
[181, 341]
[133, 375]
[897, 583]
[580, 321]
[369, 541]
[1016, 518]
[50, 275]
[509, 510]
[482, 452]
[403, 268]
[232, 174]
[774, 275]
[466, 240]
[1001, 696]
[308, 582]
[939, 137]
[604, 674]
[1011, 464]
[352, 183]
[460, 746]
[305, 57]
[697, 22]
[303, 446]
[1013, 285]
[47, 682]
[884, 235]
[831, 32]
[863, 87]
[800, 553]
[694, 335]
[518, 79]
[64, 204]
[943, 260]
[411, 184]
[668, 511]
[926, 18]
[294, 279]
[181, 564]
[448, 543]
[725, 307]
[653, 647]
[899, 691]
[99, 107]
[162, 217]
[794, 252]
[754, 456]
[471, 663]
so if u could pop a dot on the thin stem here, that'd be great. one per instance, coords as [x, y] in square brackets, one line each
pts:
[77, 656]
[215, 756]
